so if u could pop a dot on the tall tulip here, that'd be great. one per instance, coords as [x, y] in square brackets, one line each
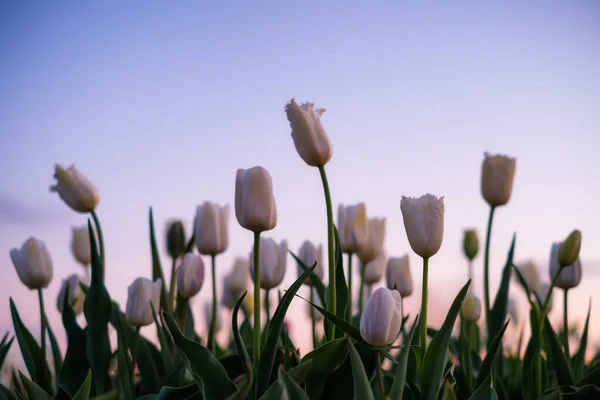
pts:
[176, 247]
[470, 249]
[190, 275]
[142, 295]
[309, 254]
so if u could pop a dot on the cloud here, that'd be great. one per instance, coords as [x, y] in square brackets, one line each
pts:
[17, 211]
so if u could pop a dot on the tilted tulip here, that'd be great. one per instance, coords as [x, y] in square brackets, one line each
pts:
[76, 295]
[310, 138]
[273, 261]
[569, 276]
[212, 228]
[471, 308]
[239, 276]
[398, 275]
[208, 317]
[33, 263]
[569, 250]
[142, 295]
[80, 245]
[424, 223]
[375, 269]
[381, 320]
[470, 244]
[308, 254]
[531, 275]
[190, 275]
[376, 241]
[255, 207]
[75, 189]
[497, 176]
[353, 227]
[175, 238]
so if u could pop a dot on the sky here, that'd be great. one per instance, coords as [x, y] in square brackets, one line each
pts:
[159, 103]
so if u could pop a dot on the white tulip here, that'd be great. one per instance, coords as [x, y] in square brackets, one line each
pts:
[142, 295]
[33, 263]
[212, 228]
[80, 245]
[471, 308]
[497, 176]
[190, 275]
[398, 275]
[76, 295]
[310, 138]
[273, 260]
[353, 227]
[239, 276]
[531, 275]
[381, 320]
[255, 207]
[376, 241]
[375, 269]
[308, 254]
[424, 223]
[570, 276]
[75, 189]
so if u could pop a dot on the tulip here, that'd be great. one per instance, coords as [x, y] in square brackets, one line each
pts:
[76, 296]
[212, 228]
[375, 243]
[190, 275]
[569, 250]
[33, 263]
[175, 238]
[531, 275]
[375, 269]
[353, 227]
[309, 254]
[569, 276]
[239, 276]
[255, 207]
[471, 308]
[272, 263]
[424, 223]
[470, 244]
[80, 245]
[310, 138]
[398, 275]
[209, 318]
[381, 319]
[497, 176]
[142, 295]
[75, 189]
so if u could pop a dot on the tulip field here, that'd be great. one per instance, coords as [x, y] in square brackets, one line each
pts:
[370, 347]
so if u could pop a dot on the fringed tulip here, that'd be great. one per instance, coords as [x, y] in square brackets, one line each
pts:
[75, 189]
[376, 241]
[424, 223]
[310, 138]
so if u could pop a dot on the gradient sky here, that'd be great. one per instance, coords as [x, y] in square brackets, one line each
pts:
[159, 103]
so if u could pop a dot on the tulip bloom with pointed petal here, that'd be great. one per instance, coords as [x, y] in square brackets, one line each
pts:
[376, 240]
[308, 254]
[398, 275]
[75, 189]
[190, 275]
[33, 263]
[80, 245]
[310, 138]
[76, 295]
[471, 308]
[381, 319]
[255, 207]
[570, 276]
[175, 238]
[142, 295]
[273, 260]
[497, 176]
[353, 228]
[212, 233]
[424, 223]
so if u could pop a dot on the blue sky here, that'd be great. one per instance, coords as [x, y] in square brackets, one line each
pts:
[159, 103]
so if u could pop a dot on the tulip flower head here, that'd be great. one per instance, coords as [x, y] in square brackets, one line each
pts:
[398, 275]
[143, 294]
[76, 296]
[175, 238]
[569, 250]
[190, 275]
[381, 320]
[239, 276]
[497, 176]
[75, 189]
[255, 207]
[309, 254]
[375, 269]
[570, 276]
[424, 223]
[33, 263]
[212, 228]
[471, 308]
[80, 245]
[353, 228]
[470, 244]
[310, 138]
[531, 275]
[273, 261]
[376, 241]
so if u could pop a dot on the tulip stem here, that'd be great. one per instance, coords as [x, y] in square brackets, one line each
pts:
[566, 323]
[185, 305]
[172, 283]
[486, 269]
[424, 308]
[362, 287]
[331, 306]
[380, 374]
[256, 267]
[134, 353]
[213, 319]
[471, 288]
[349, 310]
[312, 319]
[469, 360]
[402, 316]
[43, 320]
[267, 305]
[99, 233]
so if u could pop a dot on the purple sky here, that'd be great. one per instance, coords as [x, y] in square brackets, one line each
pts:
[159, 103]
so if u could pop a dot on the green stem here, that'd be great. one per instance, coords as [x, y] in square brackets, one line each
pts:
[424, 308]
[362, 287]
[172, 283]
[43, 320]
[486, 269]
[380, 374]
[471, 286]
[402, 316]
[256, 266]
[331, 252]
[566, 323]
[213, 320]
[349, 288]
[134, 353]
[469, 360]
[184, 318]
[312, 319]
[267, 305]
[100, 236]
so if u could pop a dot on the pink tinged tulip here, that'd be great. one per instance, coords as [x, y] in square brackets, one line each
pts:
[273, 261]
[255, 207]
[353, 227]
[143, 294]
[376, 241]
[424, 223]
[212, 228]
[190, 275]
[497, 176]
[398, 275]
[309, 254]
[33, 263]
[80, 245]
[381, 320]
[310, 138]
[75, 189]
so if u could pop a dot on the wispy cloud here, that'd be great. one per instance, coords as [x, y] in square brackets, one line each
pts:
[17, 211]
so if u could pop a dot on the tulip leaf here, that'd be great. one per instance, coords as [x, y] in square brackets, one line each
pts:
[5, 348]
[208, 372]
[530, 354]
[267, 356]
[32, 353]
[122, 362]
[34, 392]
[559, 360]
[485, 391]
[150, 365]
[5, 393]
[362, 388]
[343, 309]
[292, 389]
[397, 390]
[435, 357]
[315, 280]
[239, 344]
[97, 309]
[165, 344]
[500, 306]
[84, 391]
[325, 359]
[579, 358]
[157, 272]
[488, 361]
[190, 391]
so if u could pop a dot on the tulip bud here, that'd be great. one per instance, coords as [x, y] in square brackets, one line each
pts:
[375, 269]
[312, 312]
[76, 296]
[398, 275]
[513, 310]
[273, 259]
[240, 275]
[308, 254]
[424, 223]
[471, 244]
[176, 245]
[212, 228]
[142, 294]
[310, 138]
[542, 292]
[208, 315]
[80, 245]
[471, 308]
[75, 189]
[376, 241]
[381, 320]
[255, 207]
[530, 274]
[497, 175]
[569, 251]
[570, 276]
[353, 227]
[33, 263]
[190, 275]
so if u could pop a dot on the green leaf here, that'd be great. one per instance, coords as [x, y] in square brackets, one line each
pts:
[435, 357]
[591, 378]
[486, 366]
[84, 392]
[190, 391]
[267, 356]
[528, 384]
[150, 365]
[5, 393]
[559, 360]
[34, 392]
[35, 361]
[56, 356]
[485, 391]
[362, 388]
[315, 280]
[397, 390]
[157, 271]
[300, 371]
[579, 358]
[343, 310]
[123, 364]
[97, 308]
[165, 344]
[242, 392]
[110, 395]
[499, 309]
[325, 359]
[292, 389]
[240, 348]
[208, 372]
[5, 348]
